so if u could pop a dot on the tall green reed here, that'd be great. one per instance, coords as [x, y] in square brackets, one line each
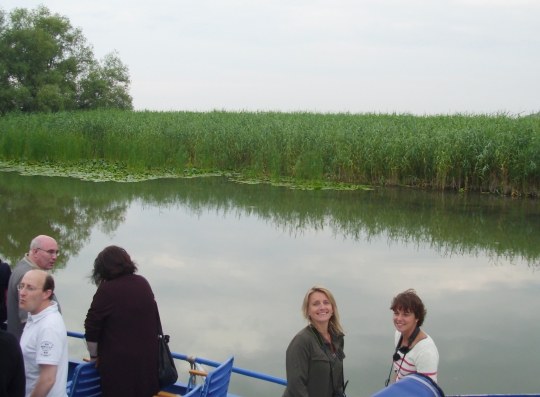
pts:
[495, 153]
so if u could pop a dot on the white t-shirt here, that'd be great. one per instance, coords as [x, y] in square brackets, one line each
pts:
[44, 341]
[423, 358]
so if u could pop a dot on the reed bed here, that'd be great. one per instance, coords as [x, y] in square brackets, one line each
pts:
[495, 153]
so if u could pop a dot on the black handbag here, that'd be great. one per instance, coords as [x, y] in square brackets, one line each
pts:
[167, 372]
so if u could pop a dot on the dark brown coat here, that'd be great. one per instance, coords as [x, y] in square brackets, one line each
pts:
[122, 320]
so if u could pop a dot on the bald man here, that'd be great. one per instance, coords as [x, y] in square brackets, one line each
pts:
[44, 339]
[42, 255]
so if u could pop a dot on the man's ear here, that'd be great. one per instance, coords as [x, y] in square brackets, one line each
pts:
[47, 294]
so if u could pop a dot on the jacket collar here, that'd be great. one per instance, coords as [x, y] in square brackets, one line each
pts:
[30, 262]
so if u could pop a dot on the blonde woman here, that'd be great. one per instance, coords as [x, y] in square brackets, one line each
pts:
[314, 358]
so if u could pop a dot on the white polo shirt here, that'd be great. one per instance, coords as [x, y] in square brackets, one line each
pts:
[44, 341]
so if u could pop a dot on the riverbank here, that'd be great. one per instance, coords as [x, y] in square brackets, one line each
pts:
[99, 171]
[488, 153]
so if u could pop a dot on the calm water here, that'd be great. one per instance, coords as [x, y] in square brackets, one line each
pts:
[230, 263]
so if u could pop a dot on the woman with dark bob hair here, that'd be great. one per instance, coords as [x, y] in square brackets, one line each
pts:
[415, 350]
[314, 358]
[121, 327]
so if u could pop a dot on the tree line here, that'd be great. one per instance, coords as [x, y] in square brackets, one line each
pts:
[47, 65]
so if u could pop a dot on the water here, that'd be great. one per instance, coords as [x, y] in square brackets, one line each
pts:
[229, 265]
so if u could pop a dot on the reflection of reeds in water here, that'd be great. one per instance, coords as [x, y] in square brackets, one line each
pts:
[452, 224]
[471, 152]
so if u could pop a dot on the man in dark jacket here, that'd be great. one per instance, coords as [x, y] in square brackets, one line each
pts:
[42, 255]
[12, 377]
[5, 273]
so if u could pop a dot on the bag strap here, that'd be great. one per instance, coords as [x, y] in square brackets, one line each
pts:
[398, 346]
[321, 344]
[159, 329]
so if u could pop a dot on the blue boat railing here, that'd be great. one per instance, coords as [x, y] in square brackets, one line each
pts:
[280, 381]
[241, 371]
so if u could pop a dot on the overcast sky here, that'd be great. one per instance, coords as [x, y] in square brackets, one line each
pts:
[417, 56]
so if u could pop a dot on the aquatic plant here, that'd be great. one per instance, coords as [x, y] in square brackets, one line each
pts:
[492, 153]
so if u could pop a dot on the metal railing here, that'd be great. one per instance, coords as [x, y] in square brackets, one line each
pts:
[241, 371]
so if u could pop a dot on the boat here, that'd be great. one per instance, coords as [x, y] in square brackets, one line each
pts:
[181, 388]
[412, 385]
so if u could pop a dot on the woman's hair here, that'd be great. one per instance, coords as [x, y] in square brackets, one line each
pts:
[408, 301]
[334, 326]
[112, 263]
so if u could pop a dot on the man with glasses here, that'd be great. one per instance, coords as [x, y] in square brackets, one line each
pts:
[42, 255]
[44, 339]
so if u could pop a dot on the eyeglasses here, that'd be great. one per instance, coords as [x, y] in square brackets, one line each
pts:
[50, 252]
[29, 288]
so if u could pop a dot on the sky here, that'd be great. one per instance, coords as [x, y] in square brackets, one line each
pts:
[383, 56]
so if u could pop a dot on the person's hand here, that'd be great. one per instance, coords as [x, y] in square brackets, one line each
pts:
[94, 360]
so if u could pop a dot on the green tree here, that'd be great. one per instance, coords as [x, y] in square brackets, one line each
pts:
[105, 85]
[47, 65]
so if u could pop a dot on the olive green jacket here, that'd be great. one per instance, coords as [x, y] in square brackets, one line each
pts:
[308, 366]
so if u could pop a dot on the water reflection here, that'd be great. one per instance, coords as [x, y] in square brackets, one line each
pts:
[229, 265]
[59, 207]
[498, 227]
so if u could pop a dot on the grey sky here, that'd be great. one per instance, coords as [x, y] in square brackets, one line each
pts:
[418, 56]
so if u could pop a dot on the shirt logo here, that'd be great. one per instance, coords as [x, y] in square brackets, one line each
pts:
[46, 348]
